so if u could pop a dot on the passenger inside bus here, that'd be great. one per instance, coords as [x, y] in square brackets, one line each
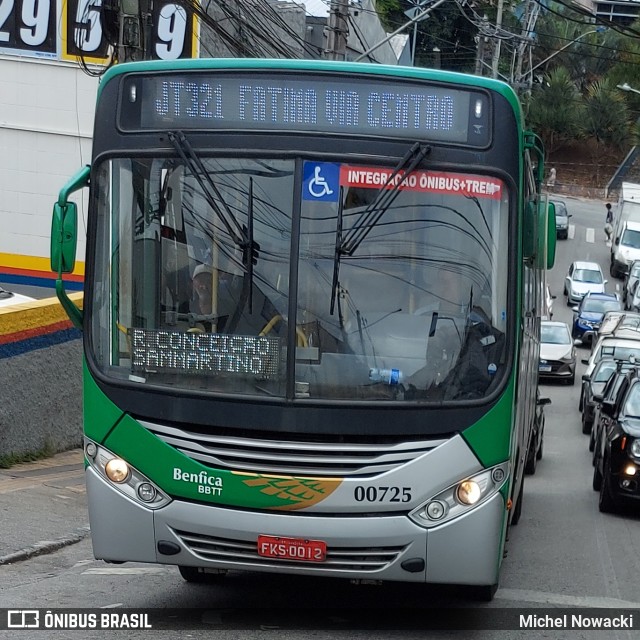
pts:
[215, 297]
[202, 301]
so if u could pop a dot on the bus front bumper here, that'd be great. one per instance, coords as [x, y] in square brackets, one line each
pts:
[467, 550]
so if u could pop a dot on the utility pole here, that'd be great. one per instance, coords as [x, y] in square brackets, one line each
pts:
[338, 30]
[134, 29]
[523, 80]
[482, 41]
[498, 41]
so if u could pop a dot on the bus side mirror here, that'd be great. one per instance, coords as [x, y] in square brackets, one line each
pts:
[552, 235]
[64, 237]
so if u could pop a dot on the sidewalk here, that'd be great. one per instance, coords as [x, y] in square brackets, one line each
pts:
[43, 506]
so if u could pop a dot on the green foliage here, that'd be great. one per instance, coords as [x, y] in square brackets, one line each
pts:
[555, 109]
[446, 28]
[606, 116]
[568, 42]
[9, 460]
[576, 67]
[635, 133]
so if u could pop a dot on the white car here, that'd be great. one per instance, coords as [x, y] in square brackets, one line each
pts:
[557, 352]
[581, 278]
[8, 298]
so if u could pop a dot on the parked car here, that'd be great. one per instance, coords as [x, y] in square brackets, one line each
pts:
[9, 297]
[589, 313]
[534, 452]
[557, 352]
[617, 459]
[562, 219]
[630, 280]
[581, 278]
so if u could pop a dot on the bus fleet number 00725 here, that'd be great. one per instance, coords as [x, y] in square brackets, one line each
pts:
[382, 494]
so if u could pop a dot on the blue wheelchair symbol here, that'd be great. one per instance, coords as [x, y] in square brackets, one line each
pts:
[321, 181]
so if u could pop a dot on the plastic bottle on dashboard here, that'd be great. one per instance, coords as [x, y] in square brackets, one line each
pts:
[389, 376]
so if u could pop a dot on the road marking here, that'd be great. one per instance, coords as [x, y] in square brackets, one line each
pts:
[544, 597]
[591, 235]
[572, 231]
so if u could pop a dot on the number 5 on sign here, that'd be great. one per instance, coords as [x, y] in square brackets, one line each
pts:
[82, 35]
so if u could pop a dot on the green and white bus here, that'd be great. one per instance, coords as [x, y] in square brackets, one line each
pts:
[311, 318]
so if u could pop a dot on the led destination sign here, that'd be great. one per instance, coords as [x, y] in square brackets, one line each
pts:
[204, 353]
[344, 105]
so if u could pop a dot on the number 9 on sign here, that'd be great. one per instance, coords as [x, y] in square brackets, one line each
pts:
[171, 29]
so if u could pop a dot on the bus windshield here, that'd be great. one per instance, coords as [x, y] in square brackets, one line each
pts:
[296, 279]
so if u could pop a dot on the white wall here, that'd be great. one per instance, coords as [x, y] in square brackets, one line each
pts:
[46, 124]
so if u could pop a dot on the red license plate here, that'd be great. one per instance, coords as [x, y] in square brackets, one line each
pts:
[292, 549]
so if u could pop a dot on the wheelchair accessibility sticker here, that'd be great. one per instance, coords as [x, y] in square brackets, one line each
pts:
[321, 181]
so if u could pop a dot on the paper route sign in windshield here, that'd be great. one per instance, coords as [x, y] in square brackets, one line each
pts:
[464, 184]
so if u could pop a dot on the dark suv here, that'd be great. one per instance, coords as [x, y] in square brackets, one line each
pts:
[592, 388]
[589, 313]
[608, 393]
[616, 471]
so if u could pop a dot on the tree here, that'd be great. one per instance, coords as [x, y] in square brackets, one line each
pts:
[567, 41]
[606, 119]
[555, 109]
[448, 28]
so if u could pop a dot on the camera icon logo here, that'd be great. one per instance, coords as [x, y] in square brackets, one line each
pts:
[23, 619]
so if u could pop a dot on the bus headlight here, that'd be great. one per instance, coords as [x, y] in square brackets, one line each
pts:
[461, 497]
[124, 477]
[117, 470]
[469, 492]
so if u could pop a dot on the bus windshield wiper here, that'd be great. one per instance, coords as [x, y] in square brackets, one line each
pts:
[249, 258]
[383, 200]
[371, 215]
[241, 236]
[338, 248]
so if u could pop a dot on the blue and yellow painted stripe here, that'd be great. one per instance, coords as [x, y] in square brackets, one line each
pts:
[36, 272]
[38, 324]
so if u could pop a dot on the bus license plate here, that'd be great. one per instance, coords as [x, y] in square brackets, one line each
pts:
[292, 548]
[545, 367]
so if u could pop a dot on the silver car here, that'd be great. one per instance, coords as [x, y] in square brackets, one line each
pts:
[557, 352]
[582, 277]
